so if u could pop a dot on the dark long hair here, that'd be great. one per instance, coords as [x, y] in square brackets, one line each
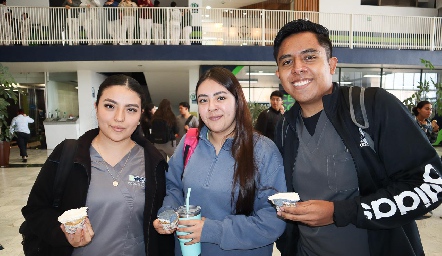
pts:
[148, 111]
[164, 112]
[242, 146]
[420, 105]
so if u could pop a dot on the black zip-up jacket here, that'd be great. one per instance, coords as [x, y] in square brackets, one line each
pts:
[267, 121]
[41, 217]
[398, 181]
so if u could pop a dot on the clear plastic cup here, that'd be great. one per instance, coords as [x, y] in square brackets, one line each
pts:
[194, 213]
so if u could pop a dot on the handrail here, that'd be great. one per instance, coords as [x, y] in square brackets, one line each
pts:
[216, 26]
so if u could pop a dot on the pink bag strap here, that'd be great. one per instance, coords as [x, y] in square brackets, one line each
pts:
[190, 143]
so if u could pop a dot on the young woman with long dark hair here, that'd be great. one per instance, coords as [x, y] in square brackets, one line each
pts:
[164, 121]
[232, 172]
[116, 173]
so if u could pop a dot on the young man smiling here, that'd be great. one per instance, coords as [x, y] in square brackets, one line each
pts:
[356, 200]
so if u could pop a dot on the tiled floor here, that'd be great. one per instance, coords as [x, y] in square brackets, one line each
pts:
[16, 182]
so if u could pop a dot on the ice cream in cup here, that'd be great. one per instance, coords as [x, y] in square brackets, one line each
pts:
[169, 219]
[73, 219]
[288, 199]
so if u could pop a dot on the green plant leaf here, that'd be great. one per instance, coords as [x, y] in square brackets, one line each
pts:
[6, 93]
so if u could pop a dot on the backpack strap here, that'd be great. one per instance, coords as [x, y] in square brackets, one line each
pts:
[190, 143]
[188, 120]
[358, 112]
[357, 107]
[65, 165]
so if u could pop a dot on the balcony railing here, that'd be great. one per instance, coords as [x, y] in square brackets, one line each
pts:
[115, 25]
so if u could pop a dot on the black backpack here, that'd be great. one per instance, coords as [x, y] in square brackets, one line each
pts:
[32, 244]
[161, 131]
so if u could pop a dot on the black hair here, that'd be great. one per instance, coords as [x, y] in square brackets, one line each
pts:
[242, 146]
[277, 94]
[122, 80]
[172, 4]
[299, 26]
[156, 3]
[420, 105]
[185, 104]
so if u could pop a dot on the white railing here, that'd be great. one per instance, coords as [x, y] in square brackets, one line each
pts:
[115, 25]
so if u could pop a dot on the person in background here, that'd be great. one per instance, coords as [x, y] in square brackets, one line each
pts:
[6, 29]
[72, 20]
[164, 129]
[128, 22]
[186, 23]
[175, 24]
[232, 172]
[145, 20]
[113, 26]
[25, 29]
[158, 19]
[185, 120]
[422, 112]
[89, 20]
[146, 120]
[117, 174]
[267, 119]
[358, 198]
[20, 126]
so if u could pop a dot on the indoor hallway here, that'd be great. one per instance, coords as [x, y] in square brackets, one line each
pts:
[16, 182]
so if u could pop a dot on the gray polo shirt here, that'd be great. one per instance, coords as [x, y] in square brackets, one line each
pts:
[116, 213]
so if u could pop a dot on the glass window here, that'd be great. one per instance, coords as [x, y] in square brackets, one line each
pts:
[363, 77]
[258, 82]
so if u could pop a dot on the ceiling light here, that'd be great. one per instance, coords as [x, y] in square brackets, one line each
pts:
[260, 73]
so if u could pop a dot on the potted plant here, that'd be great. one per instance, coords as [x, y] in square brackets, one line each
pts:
[6, 95]
[256, 109]
[423, 88]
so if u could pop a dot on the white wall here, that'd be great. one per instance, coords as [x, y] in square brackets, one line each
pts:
[63, 97]
[355, 7]
[170, 84]
[52, 98]
[29, 77]
[193, 80]
[88, 83]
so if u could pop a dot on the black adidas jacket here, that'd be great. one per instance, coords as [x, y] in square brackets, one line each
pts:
[41, 217]
[402, 172]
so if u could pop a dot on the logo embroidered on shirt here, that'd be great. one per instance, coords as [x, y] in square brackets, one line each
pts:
[136, 181]
[364, 142]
